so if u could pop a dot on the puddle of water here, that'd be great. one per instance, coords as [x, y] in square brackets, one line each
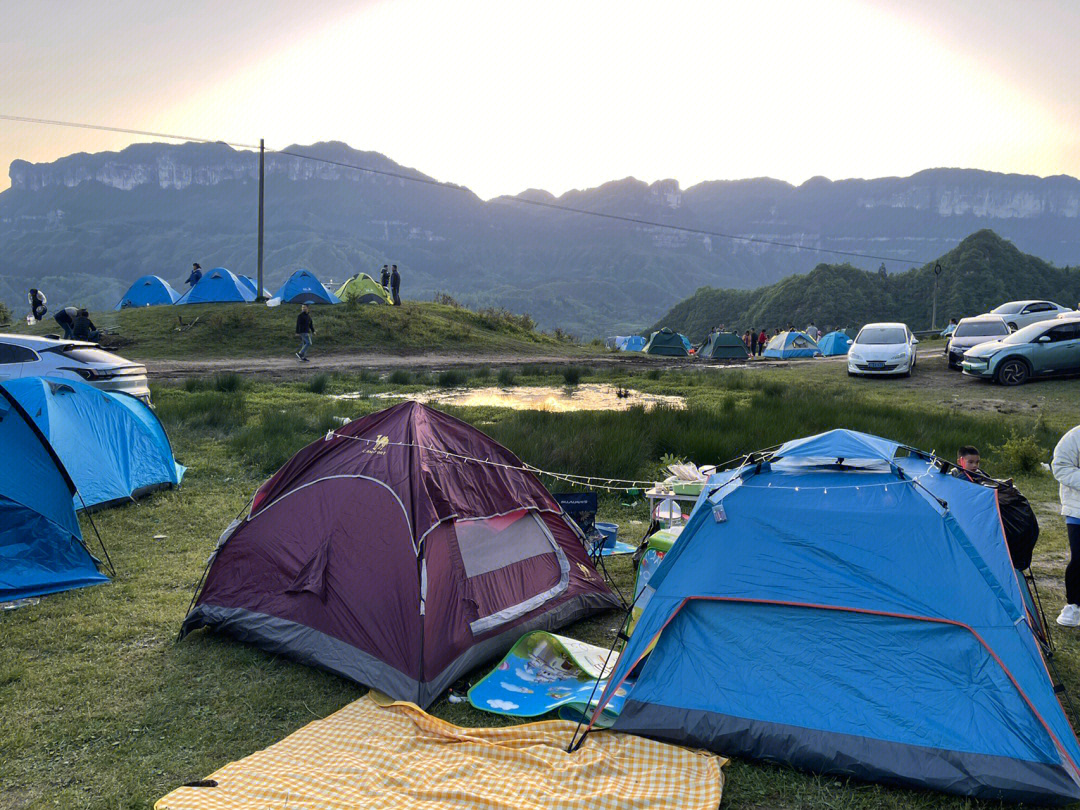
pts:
[585, 397]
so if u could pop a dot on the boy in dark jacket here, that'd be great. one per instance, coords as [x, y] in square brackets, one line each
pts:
[304, 330]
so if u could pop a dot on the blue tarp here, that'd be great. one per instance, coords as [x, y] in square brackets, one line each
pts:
[41, 549]
[834, 343]
[303, 288]
[861, 620]
[788, 345]
[148, 291]
[218, 286]
[111, 444]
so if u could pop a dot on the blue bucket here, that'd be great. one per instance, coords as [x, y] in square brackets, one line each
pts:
[610, 532]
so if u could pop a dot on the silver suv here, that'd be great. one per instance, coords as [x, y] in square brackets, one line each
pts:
[30, 356]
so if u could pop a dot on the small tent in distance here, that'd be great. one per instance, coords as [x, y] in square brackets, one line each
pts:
[834, 343]
[303, 288]
[41, 545]
[363, 289]
[111, 444]
[788, 345]
[633, 343]
[148, 291]
[219, 286]
[724, 346]
[667, 343]
[401, 552]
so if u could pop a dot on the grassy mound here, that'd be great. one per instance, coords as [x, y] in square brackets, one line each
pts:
[252, 330]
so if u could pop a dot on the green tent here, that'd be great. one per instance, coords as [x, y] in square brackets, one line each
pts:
[365, 290]
[667, 343]
[724, 346]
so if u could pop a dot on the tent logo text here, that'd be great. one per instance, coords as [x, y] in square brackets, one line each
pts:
[381, 443]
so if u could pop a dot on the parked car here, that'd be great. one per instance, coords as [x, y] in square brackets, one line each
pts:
[1018, 314]
[883, 348]
[970, 332]
[29, 356]
[1042, 349]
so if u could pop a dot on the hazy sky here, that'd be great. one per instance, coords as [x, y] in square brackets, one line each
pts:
[503, 95]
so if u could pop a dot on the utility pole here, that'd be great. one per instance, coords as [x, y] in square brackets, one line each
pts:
[933, 312]
[262, 177]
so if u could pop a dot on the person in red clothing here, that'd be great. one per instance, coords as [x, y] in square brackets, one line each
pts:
[762, 339]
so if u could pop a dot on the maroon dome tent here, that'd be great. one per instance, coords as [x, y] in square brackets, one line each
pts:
[386, 553]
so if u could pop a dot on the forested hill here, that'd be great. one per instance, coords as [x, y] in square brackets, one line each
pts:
[983, 271]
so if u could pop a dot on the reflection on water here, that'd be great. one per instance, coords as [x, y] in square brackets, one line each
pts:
[585, 397]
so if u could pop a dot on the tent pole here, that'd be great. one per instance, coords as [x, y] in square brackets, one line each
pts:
[262, 176]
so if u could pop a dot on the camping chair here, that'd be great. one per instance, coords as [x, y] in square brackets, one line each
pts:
[581, 508]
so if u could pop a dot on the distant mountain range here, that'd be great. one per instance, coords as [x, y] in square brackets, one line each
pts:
[980, 273]
[83, 227]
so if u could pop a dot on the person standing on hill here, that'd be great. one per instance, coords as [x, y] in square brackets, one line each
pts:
[38, 303]
[196, 274]
[66, 319]
[753, 342]
[762, 339]
[305, 328]
[395, 285]
[384, 277]
[1066, 469]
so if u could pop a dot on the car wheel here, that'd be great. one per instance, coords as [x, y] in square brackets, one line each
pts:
[1013, 372]
[1011, 326]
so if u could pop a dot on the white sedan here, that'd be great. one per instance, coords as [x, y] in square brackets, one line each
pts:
[1018, 314]
[883, 349]
[30, 356]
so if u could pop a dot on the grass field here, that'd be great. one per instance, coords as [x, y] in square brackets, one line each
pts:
[249, 330]
[102, 709]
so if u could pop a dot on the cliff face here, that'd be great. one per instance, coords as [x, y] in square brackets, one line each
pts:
[88, 224]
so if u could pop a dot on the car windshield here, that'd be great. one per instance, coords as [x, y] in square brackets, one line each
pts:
[1028, 334]
[1008, 309]
[86, 354]
[980, 329]
[881, 336]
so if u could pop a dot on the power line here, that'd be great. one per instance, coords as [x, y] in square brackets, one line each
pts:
[455, 187]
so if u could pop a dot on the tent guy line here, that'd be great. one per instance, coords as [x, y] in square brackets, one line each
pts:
[455, 187]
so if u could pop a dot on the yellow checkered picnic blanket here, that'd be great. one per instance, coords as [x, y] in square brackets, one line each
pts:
[398, 756]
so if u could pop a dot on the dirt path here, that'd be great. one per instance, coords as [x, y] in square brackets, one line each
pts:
[290, 368]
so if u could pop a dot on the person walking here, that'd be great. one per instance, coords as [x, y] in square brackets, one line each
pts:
[1066, 469]
[762, 339]
[395, 284]
[66, 319]
[38, 303]
[304, 330]
[196, 274]
[384, 277]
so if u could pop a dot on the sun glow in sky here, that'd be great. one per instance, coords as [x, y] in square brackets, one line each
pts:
[504, 95]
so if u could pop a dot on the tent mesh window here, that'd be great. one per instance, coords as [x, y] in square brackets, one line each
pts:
[512, 566]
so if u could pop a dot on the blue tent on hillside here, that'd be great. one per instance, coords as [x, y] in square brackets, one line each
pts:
[111, 444]
[841, 605]
[789, 345]
[249, 282]
[219, 286]
[303, 288]
[41, 546]
[834, 343]
[148, 291]
[633, 343]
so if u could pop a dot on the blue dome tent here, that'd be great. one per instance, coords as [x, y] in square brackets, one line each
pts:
[788, 345]
[148, 291]
[633, 343]
[834, 343]
[111, 444]
[219, 286]
[843, 606]
[41, 546]
[249, 282]
[303, 288]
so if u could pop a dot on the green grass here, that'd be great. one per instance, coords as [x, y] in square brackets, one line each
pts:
[101, 708]
[253, 330]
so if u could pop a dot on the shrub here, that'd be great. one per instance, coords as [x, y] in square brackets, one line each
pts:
[572, 374]
[318, 383]
[447, 300]
[481, 373]
[451, 378]
[1020, 452]
[368, 376]
[654, 373]
[399, 376]
[506, 377]
[228, 382]
[5, 314]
